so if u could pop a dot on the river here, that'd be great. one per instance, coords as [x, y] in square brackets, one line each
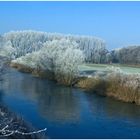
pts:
[66, 112]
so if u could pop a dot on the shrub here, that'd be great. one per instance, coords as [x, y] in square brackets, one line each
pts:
[115, 83]
[58, 56]
[124, 87]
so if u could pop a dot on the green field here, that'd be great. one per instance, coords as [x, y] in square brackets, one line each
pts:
[102, 67]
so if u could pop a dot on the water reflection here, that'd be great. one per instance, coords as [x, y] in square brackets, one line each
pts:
[113, 109]
[1, 95]
[59, 103]
[55, 102]
[69, 113]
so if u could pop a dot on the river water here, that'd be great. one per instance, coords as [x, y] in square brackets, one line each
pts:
[66, 112]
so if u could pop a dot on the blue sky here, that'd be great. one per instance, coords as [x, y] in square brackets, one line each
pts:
[118, 23]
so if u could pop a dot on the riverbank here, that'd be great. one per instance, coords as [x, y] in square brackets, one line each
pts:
[36, 72]
[116, 85]
[121, 87]
[62, 109]
[14, 127]
[11, 125]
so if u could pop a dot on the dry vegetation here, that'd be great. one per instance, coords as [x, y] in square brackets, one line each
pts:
[124, 87]
[115, 84]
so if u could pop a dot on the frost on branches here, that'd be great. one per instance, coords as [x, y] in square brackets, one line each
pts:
[61, 54]
[62, 57]
[23, 42]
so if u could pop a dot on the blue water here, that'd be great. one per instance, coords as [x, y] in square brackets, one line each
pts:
[66, 112]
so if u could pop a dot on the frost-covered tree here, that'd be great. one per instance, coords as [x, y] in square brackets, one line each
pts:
[127, 55]
[91, 46]
[108, 58]
[115, 55]
[3, 68]
[25, 42]
[130, 55]
[62, 57]
[6, 50]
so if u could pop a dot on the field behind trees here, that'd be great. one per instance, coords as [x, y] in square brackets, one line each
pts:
[103, 68]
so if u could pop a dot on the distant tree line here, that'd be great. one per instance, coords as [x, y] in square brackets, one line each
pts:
[126, 55]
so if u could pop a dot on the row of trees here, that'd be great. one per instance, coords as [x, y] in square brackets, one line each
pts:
[127, 55]
[20, 43]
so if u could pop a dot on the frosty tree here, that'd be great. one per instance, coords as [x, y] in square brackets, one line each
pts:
[127, 55]
[62, 57]
[25, 42]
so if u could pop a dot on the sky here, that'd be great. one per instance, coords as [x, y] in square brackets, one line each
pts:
[118, 23]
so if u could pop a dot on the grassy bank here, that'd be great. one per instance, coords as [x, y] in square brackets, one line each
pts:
[35, 72]
[120, 86]
[116, 84]
[60, 78]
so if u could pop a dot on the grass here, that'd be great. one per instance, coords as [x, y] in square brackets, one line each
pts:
[102, 67]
